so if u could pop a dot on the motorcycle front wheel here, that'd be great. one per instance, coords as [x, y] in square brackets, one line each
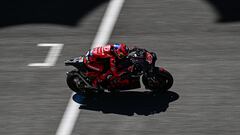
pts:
[74, 82]
[160, 82]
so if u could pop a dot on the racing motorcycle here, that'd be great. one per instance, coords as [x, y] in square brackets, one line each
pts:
[156, 79]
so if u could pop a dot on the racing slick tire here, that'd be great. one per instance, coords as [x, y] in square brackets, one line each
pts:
[160, 82]
[74, 82]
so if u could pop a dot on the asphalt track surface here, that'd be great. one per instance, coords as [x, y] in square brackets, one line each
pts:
[202, 55]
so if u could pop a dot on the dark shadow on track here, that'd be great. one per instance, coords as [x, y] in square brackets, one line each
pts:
[229, 10]
[70, 12]
[128, 102]
[63, 12]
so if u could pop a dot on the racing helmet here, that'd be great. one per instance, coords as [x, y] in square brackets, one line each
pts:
[121, 50]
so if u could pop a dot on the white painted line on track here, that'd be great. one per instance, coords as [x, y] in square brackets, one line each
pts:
[52, 55]
[104, 32]
[108, 23]
[69, 118]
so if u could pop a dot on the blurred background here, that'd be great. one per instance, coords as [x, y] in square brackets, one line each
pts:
[197, 41]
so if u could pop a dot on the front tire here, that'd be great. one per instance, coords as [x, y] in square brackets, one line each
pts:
[160, 82]
[74, 82]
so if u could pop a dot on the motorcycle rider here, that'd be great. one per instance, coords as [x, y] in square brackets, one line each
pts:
[95, 60]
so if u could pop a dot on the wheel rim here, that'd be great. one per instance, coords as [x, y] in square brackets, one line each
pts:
[78, 82]
[160, 83]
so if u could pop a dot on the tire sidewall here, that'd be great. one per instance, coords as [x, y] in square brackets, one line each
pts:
[159, 73]
[70, 81]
